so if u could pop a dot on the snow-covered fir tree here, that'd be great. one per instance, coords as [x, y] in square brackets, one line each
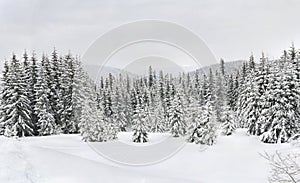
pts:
[220, 95]
[176, 119]
[139, 127]
[251, 111]
[78, 97]
[107, 100]
[118, 108]
[203, 129]
[283, 111]
[155, 114]
[54, 72]
[45, 120]
[5, 92]
[65, 90]
[231, 92]
[125, 97]
[228, 120]
[247, 107]
[17, 122]
[32, 91]
[92, 125]
[235, 92]
[29, 80]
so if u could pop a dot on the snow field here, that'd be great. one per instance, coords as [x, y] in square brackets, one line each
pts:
[65, 158]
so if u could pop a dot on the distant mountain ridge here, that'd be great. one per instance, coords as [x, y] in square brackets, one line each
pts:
[94, 70]
[230, 68]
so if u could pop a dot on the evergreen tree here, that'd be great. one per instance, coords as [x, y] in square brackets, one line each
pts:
[205, 94]
[92, 125]
[65, 90]
[169, 97]
[236, 92]
[228, 120]
[196, 82]
[247, 101]
[32, 91]
[5, 93]
[107, 102]
[151, 78]
[203, 129]
[155, 114]
[125, 96]
[251, 64]
[111, 128]
[118, 115]
[54, 75]
[176, 118]
[220, 96]
[211, 85]
[78, 97]
[251, 111]
[140, 134]
[45, 120]
[222, 67]
[231, 92]
[18, 122]
[281, 117]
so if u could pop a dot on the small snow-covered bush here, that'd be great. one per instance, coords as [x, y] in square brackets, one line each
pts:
[295, 140]
[228, 122]
[140, 135]
[203, 129]
[139, 119]
[205, 134]
[228, 128]
[275, 135]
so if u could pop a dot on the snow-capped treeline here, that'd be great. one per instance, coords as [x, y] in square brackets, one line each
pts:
[190, 106]
[262, 96]
[42, 97]
[54, 96]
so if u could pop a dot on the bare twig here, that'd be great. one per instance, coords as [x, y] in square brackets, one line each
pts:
[285, 169]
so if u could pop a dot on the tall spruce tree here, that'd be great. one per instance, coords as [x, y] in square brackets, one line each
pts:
[18, 122]
[54, 72]
[176, 118]
[118, 108]
[32, 92]
[220, 96]
[42, 110]
[5, 93]
[247, 110]
[78, 97]
[92, 126]
[65, 91]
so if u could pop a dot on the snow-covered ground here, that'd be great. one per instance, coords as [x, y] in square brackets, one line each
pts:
[65, 158]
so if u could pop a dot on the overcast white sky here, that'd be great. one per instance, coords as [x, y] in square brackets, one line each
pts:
[232, 29]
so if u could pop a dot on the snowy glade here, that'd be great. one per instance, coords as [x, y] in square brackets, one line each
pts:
[54, 95]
